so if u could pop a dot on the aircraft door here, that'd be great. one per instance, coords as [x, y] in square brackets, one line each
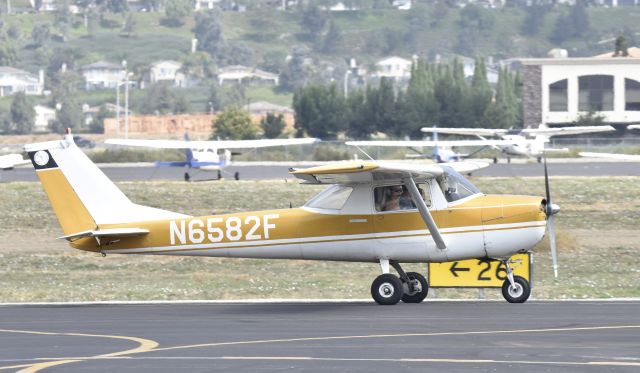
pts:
[398, 226]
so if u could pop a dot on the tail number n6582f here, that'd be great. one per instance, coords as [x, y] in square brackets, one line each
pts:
[216, 229]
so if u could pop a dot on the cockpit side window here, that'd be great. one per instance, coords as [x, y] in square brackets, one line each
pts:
[332, 198]
[454, 186]
[397, 197]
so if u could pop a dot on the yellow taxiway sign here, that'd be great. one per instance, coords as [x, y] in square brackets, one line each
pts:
[478, 273]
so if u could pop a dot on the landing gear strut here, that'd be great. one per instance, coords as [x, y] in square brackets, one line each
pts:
[515, 289]
[389, 289]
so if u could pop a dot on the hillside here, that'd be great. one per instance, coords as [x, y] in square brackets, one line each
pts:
[271, 35]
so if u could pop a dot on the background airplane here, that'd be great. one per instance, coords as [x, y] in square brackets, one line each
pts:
[210, 155]
[528, 142]
[9, 161]
[618, 156]
[442, 151]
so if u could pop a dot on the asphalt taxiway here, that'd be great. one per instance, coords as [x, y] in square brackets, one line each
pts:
[273, 170]
[448, 336]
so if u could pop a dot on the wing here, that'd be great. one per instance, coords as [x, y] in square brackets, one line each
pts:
[558, 131]
[494, 132]
[466, 167]
[622, 157]
[12, 160]
[219, 144]
[431, 144]
[365, 172]
[634, 127]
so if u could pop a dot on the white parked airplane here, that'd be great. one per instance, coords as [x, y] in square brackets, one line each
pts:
[9, 161]
[618, 156]
[528, 142]
[212, 155]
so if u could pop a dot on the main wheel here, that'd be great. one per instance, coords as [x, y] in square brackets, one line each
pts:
[518, 294]
[420, 288]
[387, 289]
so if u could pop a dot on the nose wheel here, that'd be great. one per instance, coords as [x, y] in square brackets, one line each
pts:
[515, 289]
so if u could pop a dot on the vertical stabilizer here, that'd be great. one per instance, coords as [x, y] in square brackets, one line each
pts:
[81, 195]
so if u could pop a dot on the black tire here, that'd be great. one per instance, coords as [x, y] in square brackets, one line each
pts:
[539, 159]
[422, 290]
[520, 294]
[495, 159]
[387, 289]
[236, 175]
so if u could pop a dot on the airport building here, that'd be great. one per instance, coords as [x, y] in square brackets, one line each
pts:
[558, 91]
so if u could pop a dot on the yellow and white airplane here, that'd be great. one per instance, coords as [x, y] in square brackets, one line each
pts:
[372, 211]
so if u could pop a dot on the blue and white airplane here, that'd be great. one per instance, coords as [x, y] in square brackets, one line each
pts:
[209, 155]
[442, 150]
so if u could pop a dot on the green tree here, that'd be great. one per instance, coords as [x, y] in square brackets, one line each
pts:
[176, 11]
[358, 126]
[23, 114]
[63, 18]
[505, 110]
[295, 74]
[621, 47]
[534, 18]
[234, 123]
[333, 39]
[475, 24]
[117, 6]
[575, 24]
[8, 54]
[97, 125]
[314, 20]
[130, 24]
[320, 111]
[40, 34]
[590, 119]
[69, 116]
[481, 93]
[160, 99]
[208, 31]
[272, 125]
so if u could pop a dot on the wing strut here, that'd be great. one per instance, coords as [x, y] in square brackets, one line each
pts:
[424, 212]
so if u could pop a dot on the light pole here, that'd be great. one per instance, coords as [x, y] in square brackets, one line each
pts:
[346, 83]
[118, 109]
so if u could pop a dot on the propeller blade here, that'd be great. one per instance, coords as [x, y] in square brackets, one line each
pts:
[546, 185]
[552, 245]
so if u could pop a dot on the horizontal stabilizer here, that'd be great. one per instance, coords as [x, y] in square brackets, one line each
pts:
[113, 232]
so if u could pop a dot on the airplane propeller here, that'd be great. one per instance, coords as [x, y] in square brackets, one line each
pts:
[550, 210]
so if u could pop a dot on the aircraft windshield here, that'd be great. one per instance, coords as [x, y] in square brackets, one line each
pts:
[332, 198]
[455, 186]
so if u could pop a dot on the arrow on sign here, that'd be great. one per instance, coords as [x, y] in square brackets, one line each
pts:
[454, 268]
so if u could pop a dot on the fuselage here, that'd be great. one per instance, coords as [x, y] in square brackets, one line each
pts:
[479, 226]
[210, 159]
